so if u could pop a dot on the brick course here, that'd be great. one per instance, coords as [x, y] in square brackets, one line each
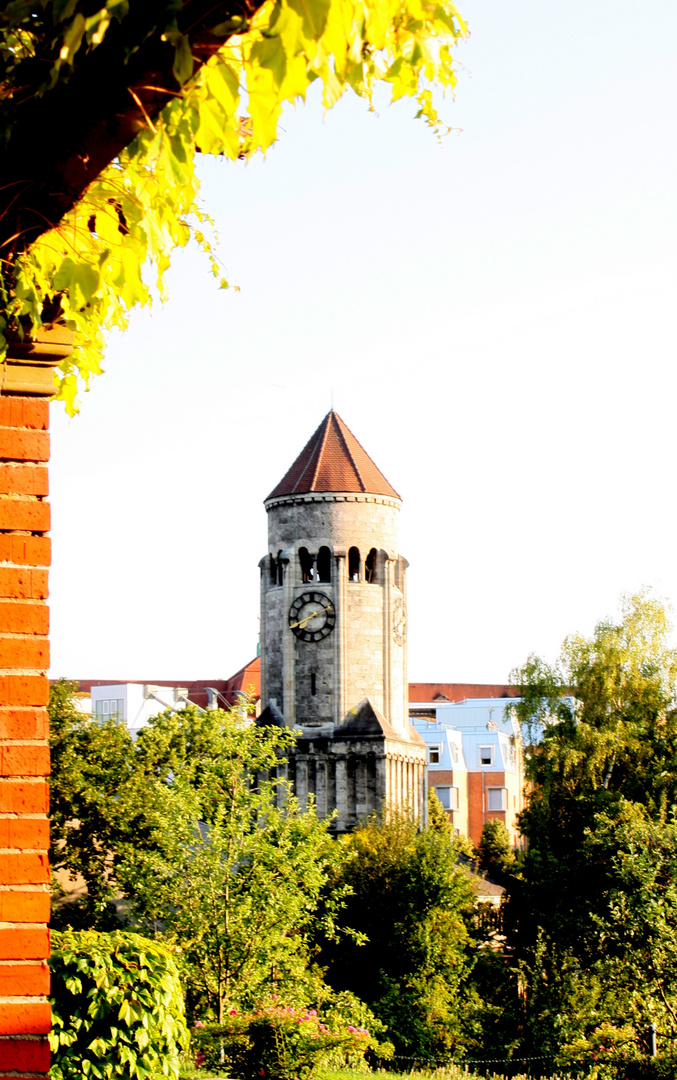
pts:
[24, 618]
[24, 980]
[24, 906]
[24, 754]
[24, 797]
[23, 480]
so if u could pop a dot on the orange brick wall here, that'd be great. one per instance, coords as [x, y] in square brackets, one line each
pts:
[24, 752]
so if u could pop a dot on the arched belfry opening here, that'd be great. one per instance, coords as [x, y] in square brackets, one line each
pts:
[354, 564]
[307, 565]
[324, 564]
[371, 567]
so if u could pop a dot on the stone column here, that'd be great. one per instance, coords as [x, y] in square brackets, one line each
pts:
[26, 384]
[381, 783]
[361, 788]
[301, 781]
[341, 791]
[321, 785]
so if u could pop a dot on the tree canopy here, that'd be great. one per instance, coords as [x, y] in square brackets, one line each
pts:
[411, 903]
[103, 109]
[593, 917]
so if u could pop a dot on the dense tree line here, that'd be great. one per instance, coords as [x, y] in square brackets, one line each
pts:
[172, 835]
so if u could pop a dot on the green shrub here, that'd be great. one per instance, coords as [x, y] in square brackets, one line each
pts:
[277, 1042]
[117, 1007]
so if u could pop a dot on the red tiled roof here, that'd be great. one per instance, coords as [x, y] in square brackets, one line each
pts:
[333, 460]
[247, 679]
[441, 692]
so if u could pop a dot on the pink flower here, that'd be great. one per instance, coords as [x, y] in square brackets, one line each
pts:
[352, 1029]
[274, 997]
[199, 1024]
[232, 1012]
[313, 1012]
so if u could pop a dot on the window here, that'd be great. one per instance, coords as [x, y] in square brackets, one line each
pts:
[448, 796]
[324, 564]
[486, 755]
[273, 571]
[453, 747]
[496, 798]
[110, 707]
[354, 564]
[313, 683]
[434, 755]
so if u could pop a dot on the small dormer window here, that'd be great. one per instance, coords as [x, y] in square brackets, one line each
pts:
[434, 755]
[486, 755]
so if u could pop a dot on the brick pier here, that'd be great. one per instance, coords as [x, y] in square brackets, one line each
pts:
[25, 386]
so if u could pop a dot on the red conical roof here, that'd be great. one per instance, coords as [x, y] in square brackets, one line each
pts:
[333, 460]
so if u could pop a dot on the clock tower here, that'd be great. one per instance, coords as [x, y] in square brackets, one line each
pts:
[334, 632]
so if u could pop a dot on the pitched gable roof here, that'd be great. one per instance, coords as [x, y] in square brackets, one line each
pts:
[333, 460]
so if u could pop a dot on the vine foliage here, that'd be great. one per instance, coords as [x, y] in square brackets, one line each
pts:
[92, 249]
[117, 1007]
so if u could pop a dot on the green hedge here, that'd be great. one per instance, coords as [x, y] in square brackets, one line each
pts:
[117, 1007]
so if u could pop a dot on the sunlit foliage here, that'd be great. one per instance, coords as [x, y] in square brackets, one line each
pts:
[145, 203]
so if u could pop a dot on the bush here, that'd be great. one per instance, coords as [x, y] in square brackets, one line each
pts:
[278, 1042]
[117, 1007]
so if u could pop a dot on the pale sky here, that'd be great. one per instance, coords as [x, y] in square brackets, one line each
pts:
[495, 318]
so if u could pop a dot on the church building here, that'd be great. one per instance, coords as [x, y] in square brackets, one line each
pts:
[334, 632]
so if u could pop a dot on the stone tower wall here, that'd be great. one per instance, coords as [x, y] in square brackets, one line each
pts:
[338, 520]
[360, 658]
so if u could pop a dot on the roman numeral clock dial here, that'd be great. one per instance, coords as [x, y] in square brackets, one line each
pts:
[312, 616]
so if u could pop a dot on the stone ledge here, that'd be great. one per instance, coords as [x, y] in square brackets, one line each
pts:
[29, 365]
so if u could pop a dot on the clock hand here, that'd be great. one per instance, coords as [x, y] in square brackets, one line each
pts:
[304, 622]
[313, 615]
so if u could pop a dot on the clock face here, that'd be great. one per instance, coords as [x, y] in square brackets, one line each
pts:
[399, 621]
[312, 616]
